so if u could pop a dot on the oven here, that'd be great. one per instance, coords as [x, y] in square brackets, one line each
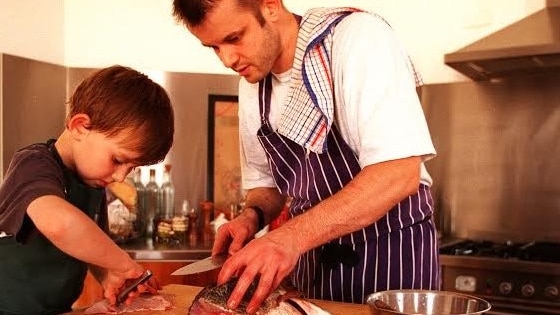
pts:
[516, 278]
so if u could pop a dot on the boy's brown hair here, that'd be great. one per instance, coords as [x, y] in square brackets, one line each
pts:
[119, 98]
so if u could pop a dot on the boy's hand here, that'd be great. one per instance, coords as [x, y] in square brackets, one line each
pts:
[115, 282]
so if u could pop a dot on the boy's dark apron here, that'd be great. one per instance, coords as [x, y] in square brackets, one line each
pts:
[55, 280]
[398, 251]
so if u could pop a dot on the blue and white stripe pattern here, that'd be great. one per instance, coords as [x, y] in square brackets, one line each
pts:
[398, 251]
[309, 112]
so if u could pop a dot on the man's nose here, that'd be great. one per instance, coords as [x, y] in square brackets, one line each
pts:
[229, 57]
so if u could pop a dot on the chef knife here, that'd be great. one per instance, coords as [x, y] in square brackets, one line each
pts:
[206, 264]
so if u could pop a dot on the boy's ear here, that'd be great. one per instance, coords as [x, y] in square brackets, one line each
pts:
[79, 125]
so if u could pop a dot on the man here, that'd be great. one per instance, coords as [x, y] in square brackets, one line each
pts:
[329, 116]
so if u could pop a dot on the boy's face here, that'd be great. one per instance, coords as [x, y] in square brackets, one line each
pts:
[100, 160]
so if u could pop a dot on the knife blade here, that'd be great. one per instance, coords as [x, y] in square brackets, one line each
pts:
[206, 264]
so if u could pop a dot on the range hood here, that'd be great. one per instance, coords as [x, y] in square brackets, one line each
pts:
[530, 45]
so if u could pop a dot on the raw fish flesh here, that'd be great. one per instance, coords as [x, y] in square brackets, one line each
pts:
[212, 300]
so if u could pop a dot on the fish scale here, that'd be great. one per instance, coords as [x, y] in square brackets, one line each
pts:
[213, 299]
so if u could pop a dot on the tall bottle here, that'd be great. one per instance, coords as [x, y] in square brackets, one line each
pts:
[167, 194]
[142, 220]
[151, 202]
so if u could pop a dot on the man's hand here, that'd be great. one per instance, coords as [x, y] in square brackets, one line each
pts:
[233, 235]
[272, 257]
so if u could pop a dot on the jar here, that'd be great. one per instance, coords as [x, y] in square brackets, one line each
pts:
[123, 217]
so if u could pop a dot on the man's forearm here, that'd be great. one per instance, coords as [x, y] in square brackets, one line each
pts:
[367, 198]
[269, 200]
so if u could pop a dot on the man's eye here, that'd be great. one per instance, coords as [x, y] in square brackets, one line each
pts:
[232, 40]
[116, 161]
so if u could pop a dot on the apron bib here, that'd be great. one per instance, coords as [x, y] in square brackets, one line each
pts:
[51, 279]
[398, 251]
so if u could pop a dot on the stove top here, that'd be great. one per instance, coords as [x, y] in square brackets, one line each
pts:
[548, 252]
[516, 278]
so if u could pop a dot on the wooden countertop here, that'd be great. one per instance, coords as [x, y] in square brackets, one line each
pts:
[184, 295]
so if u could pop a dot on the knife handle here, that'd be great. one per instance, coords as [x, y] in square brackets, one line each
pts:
[121, 297]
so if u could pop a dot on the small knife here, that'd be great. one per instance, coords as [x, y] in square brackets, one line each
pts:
[121, 297]
[206, 264]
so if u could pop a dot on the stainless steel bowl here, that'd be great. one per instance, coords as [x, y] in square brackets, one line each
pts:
[425, 302]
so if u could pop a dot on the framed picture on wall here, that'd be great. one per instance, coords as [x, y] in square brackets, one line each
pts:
[224, 170]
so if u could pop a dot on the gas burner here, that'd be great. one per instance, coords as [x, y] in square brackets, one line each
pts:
[533, 251]
[506, 250]
[541, 251]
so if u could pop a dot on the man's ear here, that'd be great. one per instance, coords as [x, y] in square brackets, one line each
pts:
[271, 9]
[78, 125]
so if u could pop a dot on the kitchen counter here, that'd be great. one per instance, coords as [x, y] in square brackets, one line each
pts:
[145, 249]
[185, 294]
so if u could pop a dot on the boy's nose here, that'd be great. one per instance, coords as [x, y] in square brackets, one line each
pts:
[120, 174]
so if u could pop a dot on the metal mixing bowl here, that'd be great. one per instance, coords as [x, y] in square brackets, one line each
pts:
[425, 302]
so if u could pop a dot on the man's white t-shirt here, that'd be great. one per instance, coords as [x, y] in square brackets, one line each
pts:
[377, 109]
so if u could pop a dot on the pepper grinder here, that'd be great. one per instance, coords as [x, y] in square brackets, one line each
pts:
[193, 228]
[207, 232]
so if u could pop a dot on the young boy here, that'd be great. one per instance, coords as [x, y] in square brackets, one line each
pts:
[53, 194]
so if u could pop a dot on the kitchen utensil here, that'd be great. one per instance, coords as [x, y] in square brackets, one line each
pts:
[425, 302]
[206, 264]
[121, 297]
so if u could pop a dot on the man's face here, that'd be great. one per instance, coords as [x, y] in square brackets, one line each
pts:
[238, 39]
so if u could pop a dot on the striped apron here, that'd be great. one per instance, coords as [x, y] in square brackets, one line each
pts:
[399, 251]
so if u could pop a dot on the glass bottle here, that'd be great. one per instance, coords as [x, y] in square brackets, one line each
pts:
[167, 193]
[151, 202]
[180, 225]
[163, 230]
[140, 201]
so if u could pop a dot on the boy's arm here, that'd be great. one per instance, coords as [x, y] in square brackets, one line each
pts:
[77, 235]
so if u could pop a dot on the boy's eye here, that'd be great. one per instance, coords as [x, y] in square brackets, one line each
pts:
[116, 161]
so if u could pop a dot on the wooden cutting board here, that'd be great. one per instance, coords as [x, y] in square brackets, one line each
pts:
[184, 295]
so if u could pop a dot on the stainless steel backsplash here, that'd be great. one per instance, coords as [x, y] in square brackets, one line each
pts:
[496, 175]
[32, 103]
[497, 172]
[33, 110]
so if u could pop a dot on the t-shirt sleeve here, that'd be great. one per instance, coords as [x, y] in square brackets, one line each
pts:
[255, 171]
[378, 110]
[31, 174]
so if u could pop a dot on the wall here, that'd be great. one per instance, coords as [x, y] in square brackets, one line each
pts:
[33, 98]
[33, 29]
[496, 173]
[428, 28]
[142, 33]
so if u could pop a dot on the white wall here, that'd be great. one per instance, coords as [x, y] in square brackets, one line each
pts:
[33, 29]
[142, 33]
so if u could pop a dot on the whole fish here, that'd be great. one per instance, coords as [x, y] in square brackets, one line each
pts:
[213, 299]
